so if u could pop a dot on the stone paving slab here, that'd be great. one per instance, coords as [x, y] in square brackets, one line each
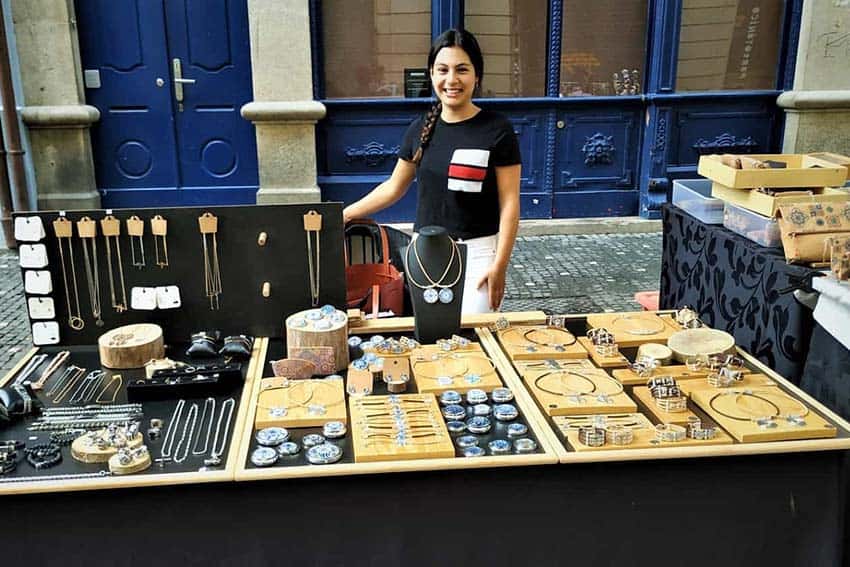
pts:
[572, 273]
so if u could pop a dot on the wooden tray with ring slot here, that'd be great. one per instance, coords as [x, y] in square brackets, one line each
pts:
[748, 431]
[370, 449]
[631, 329]
[526, 366]
[747, 381]
[299, 403]
[644, 436]
[602, 361]
[473, 346]
[647, 402]
[565, 404]
[426, 372]
[678, 371]
[534, 342]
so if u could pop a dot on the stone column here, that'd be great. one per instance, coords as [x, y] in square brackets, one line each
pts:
[818, 109]
[283, 109]
[54, 108]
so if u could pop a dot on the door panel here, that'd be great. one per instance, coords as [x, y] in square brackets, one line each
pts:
[217, 147]
[134, 142]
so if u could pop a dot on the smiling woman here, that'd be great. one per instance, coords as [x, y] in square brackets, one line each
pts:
[466, 162]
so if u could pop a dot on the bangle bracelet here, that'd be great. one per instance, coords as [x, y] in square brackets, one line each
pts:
[661, 381]
[619, 435]
[669, 433]
[660, 392]
[672, 405]
[703, 433]
[591, 436]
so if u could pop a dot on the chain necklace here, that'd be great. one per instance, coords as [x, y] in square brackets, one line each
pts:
[191, 417]
[171, 431]
[209, 408]
[63, 230]
[218, 448]
[434, 291]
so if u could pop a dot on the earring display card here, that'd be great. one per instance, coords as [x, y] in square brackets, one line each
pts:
[29, 229]
[183, 307]
[46, 333]
[540, 342]
[633, 328]
[299, 403]
[752, 415]
[143, 298]
[643, 431]
[569, 392]
[375, 428]
[41, 308]
[38, 282]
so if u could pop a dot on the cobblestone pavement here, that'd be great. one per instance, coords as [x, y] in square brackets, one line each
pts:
[559, 274]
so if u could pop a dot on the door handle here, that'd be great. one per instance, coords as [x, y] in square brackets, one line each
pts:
[179, 81]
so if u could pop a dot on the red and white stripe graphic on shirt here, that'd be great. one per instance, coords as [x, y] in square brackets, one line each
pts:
[468, 169]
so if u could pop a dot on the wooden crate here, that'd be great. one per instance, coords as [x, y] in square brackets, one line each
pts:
[378, 449]
[768, 205]
[801, 171]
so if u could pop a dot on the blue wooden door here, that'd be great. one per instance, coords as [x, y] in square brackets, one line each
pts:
[154, 144]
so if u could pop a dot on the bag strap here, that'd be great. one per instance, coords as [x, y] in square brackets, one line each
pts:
[376, 301]
[385, 240]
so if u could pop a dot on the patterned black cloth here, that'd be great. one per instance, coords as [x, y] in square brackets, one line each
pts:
[734, 284]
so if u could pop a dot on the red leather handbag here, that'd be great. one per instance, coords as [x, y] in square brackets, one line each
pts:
[377, 286]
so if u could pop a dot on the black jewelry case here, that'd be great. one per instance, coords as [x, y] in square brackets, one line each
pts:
[186, 382]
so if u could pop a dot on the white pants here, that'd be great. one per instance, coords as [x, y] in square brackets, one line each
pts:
[480, 254]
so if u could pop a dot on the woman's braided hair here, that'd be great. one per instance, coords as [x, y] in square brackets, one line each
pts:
[449, 38]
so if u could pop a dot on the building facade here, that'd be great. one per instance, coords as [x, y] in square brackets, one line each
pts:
[191, 102]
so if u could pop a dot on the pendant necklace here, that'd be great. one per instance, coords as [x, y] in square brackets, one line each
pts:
[435, 290]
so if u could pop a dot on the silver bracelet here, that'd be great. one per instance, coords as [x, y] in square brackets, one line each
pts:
[672, 405]
[669, 433]
[619, 435]
[591, 436]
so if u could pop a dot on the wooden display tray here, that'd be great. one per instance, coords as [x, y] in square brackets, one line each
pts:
[644, 438]
[329, 393]
[473, 346]
[511, 339]
[768, 205]
[562, 422]
[468, 321]
[625, 339]
[801, 171]
[225, 473]
[366, 450]
[749, 432]
[473, 359]
[647, 402]
[749, 381]
[678, 371]
[553, 404]
[618, 361]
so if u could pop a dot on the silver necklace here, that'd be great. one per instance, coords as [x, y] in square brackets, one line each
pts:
[87, 387]
[218, 449]
[30, 368]
[191, 417]
[209, 404]
[171, 431]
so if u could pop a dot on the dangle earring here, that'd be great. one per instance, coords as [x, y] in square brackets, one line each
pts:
[87, 229]
[64, 232]
[136, 231]
[208, 224]
[159, 229]
[111, 229]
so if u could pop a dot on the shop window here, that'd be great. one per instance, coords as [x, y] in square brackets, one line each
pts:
[368, 44]
[728, 45]
[512, 35]
[603, 47]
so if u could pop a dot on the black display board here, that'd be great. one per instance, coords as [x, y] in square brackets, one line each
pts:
[245, 267]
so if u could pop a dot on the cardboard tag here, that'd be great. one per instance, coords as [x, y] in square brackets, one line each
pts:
[168, 297]
[29, 229]
[38, 282]
[86, 228]
[63, 227]
[358, 382]
[45, 333]
[32, 255]
[159, 226]
[208, 223]
[143, 298]
[110, 226]
[312, 221]
[41, 308]
[135, 226]
[396, 369]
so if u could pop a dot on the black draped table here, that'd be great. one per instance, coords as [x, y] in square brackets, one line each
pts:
[735, 286]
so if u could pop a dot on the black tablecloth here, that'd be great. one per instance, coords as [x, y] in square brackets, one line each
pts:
[734, 284]
[827, 372]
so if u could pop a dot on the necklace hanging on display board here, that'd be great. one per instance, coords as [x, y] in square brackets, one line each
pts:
[434, 291]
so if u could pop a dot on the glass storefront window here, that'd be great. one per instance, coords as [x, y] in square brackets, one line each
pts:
[368, 44]
[728, 45]
[603, 47]
[512, 35]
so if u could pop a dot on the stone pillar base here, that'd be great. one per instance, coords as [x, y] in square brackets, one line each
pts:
[288, 195]
[816, 121]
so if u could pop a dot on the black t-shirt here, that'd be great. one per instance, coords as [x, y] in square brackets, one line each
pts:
[457, 176]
